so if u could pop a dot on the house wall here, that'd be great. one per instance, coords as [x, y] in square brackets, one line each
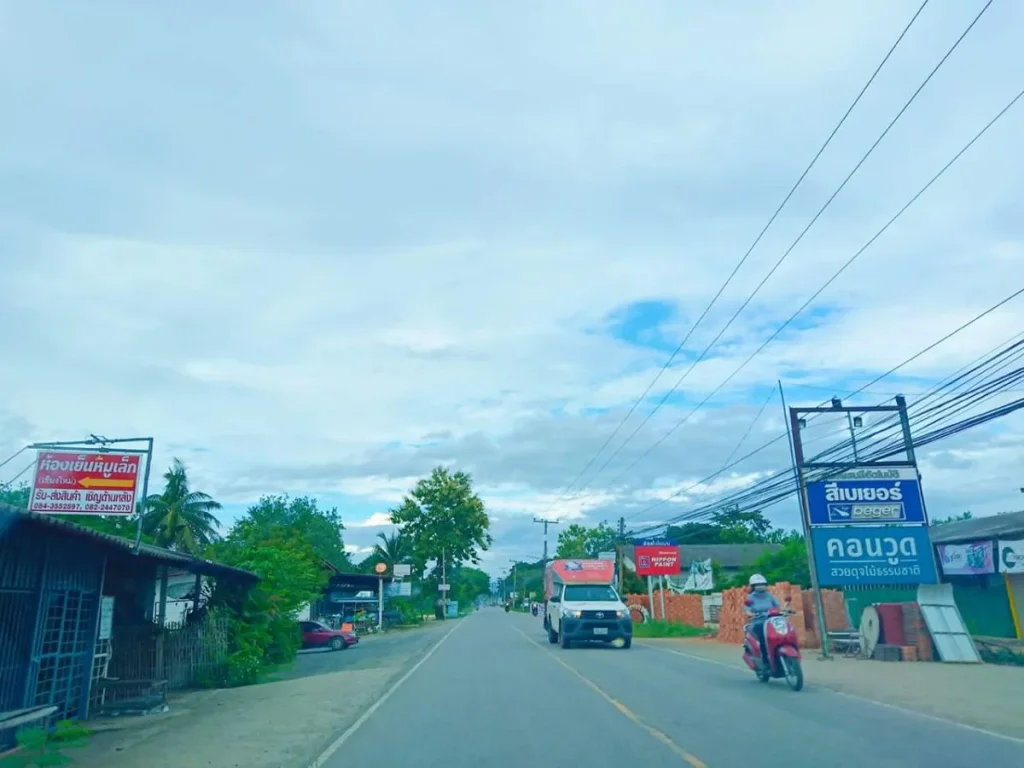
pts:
[50, 589]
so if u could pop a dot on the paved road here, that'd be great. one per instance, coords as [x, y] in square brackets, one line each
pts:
[371, 652]
[494, 693]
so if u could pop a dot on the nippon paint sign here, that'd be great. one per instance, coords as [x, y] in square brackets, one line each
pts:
[867, 496]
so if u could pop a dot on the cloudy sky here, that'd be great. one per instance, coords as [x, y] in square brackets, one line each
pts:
[320, 247]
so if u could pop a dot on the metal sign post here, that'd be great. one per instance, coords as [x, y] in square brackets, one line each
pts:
[864, 521]
[380, 569]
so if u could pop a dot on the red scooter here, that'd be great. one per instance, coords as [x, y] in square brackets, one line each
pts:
[784, 659]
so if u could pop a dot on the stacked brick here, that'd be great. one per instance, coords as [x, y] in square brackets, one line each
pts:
[918, 639]
[681, 609]
[730, 626]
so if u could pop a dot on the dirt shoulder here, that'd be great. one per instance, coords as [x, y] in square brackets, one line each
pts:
[979, 695]
[284, 723]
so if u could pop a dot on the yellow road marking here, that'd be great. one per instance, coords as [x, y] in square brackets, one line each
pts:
[694, 761]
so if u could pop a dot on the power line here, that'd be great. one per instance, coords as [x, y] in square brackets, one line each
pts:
[829, 282]
[742, 261]
[1013, 344]
[790, 249]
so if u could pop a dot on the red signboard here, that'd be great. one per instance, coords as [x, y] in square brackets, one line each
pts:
[657, 560]
[73, 483]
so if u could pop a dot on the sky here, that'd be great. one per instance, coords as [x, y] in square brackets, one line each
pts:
[318, 248]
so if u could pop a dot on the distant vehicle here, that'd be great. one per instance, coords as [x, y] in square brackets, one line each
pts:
[582, 606]
[317, 635]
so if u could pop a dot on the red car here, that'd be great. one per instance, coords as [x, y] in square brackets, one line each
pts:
[317, 635]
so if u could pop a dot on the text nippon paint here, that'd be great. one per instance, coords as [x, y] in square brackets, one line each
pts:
[866, 496]
[876, 554]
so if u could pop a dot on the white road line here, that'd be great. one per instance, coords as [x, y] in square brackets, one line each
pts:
[844, 694]
[339, 742]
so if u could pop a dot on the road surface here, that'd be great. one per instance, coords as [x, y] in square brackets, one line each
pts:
[495, 693]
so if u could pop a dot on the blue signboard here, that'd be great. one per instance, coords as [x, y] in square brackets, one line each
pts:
[654, 541]
[876, 554]
[866, 497]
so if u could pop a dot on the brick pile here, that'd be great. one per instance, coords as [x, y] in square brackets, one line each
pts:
[919, 645]
[681, 609]
[732, 619]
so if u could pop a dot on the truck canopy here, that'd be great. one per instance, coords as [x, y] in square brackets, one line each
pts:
[561, 572]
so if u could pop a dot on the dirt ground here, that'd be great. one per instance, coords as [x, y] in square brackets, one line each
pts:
[284, 723]
[979, 695]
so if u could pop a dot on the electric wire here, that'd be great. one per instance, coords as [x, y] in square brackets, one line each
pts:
[788, 251]
[751, 248]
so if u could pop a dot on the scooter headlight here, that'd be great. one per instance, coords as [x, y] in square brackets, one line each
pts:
[780, 625]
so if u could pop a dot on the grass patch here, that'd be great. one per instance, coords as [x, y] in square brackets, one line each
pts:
[668, 629]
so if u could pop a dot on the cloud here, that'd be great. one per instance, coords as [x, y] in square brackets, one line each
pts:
[335, 245]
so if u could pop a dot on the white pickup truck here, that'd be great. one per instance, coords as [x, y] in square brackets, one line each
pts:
[581, 605]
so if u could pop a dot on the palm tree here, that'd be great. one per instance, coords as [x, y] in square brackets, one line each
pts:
[392, 549]
[180, 518]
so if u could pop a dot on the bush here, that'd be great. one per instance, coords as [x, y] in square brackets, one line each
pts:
[654, 629]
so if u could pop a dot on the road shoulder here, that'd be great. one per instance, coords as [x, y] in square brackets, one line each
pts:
[981, 696]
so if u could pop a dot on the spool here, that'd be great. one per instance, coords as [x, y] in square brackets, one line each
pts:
[870, 631]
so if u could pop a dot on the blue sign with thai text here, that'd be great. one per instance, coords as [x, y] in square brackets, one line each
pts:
[654, 541]
[877, 554]
[866, 496]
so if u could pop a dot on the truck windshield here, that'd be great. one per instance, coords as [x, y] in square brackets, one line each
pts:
[586, 593]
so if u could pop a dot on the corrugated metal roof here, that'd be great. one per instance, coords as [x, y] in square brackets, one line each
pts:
[1006, 525]
[15, 515]
[726, 555]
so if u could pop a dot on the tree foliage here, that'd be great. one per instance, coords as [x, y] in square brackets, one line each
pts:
[443, 518]
[302, 517]
[954, 518]
[729, 525]
[180, 518]
[586, 542]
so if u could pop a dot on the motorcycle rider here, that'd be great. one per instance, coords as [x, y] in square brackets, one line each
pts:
[757, 605]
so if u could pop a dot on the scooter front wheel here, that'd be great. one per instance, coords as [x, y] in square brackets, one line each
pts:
[794, 672]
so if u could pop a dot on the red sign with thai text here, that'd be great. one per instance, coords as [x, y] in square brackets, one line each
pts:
[71, 483]
[657, 560]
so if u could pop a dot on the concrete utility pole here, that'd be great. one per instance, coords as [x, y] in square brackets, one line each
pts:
[545, 523]
[622, 550]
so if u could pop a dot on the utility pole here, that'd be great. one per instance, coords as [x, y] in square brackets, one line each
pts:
[515, 582]
[622, 551]
[545, 523]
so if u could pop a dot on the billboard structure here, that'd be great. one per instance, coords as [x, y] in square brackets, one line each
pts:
[865, 521]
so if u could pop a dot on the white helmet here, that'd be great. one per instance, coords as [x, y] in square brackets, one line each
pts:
[757, 580]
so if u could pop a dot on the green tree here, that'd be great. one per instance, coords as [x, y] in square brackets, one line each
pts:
[954, 518]
[579, 541]
[788, 564]
[180, 517]
[468, 584]
[16, 496]
[392, 548]
[321, 528]
[729, 525]
[443, 518]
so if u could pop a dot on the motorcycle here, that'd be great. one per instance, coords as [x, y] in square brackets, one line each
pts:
[534, 609]
[507, 608]
[784, 658]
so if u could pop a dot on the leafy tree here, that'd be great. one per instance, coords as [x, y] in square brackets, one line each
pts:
[443, 518]
[321, 528]
[392, 548]
[16, 496]
[729, 525]
[788, 564]
[582, 542]
[180, 517]
[954, 518]
[468, 584]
